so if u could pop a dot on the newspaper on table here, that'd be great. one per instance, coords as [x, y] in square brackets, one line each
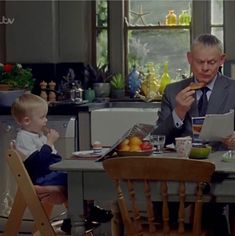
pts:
[141, 130]
[217, 126]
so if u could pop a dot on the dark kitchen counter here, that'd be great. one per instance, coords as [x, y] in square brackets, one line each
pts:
[59, 108]
[63, 108]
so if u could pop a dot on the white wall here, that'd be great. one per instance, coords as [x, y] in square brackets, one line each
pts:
[108, 125]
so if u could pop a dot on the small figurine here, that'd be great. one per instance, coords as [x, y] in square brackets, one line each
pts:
[149, 87]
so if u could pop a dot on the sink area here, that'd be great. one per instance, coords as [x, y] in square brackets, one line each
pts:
[134, 104]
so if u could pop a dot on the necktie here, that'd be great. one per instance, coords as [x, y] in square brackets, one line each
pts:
[203, 102]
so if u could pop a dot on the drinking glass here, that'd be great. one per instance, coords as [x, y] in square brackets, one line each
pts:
[158, 141]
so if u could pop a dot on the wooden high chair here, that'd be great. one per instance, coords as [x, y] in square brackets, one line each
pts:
[39, 199]
[146, 176]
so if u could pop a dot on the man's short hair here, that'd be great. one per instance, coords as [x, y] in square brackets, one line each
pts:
[208, 40]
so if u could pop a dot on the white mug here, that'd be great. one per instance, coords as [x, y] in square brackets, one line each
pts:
[183, 146]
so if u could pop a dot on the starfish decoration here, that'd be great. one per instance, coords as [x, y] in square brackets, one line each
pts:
[139, 15]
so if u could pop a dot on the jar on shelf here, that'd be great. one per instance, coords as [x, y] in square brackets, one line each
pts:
[184, 18]
[171, 18]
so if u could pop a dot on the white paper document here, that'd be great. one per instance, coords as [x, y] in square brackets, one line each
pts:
[217, 126]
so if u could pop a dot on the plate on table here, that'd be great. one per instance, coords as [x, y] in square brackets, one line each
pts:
[85, 154]
[137, 153]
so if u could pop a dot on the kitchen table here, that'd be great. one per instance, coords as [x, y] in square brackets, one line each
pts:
[87, 180]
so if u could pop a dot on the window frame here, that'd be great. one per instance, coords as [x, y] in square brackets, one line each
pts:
[117, 30]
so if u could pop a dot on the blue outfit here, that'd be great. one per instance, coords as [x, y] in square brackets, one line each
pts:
[38, 156]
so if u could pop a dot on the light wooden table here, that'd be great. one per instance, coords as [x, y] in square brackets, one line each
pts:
[87, 180]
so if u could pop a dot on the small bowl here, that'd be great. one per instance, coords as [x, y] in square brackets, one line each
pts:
[200, 152]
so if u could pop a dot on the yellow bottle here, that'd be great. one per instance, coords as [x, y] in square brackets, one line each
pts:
[165, 79]
[171, 18]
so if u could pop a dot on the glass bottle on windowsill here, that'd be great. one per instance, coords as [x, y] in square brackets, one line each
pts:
[165, 79]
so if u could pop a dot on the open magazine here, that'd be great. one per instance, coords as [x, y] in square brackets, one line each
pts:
[141, 130]
[217, 126]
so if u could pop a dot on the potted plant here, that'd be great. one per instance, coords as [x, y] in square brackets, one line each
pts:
[15, 77]
[98, 77]
[117, 86]
[14, 81]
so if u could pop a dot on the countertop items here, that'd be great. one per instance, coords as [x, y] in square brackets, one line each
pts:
[72, 108]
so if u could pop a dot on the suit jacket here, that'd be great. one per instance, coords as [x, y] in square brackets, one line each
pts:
[222, 99]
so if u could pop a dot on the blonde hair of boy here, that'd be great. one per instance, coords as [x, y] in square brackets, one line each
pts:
[25, 106]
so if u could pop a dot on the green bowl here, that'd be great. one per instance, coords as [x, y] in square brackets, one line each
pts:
[200, 152]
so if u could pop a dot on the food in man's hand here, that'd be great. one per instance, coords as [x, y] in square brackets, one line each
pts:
[195, 86]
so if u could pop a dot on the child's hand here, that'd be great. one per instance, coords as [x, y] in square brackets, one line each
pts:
[52, 137]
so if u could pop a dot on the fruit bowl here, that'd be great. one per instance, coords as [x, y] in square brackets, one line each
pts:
[200, 152]
[134, 153]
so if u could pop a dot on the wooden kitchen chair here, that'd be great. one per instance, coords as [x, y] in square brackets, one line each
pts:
[31, 196]
[143, 176]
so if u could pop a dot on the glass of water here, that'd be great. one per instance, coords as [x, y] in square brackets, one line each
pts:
[158, 141]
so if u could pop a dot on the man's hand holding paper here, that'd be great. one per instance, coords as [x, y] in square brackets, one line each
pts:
[230, 141]
[218, 127]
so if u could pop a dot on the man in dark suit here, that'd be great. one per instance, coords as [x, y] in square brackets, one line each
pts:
[180, 103]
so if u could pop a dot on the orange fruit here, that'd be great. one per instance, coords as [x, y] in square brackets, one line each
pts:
[125, 141]
[135, 148]
[123, 147]
[135, 140]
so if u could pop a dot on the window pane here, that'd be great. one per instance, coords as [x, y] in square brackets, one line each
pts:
[101, 32]
[154, 12]
[217, 12]
[218, 32]
[102, 47]
[102, 13]
[159, 46]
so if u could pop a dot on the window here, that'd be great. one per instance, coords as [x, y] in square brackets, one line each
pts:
[146, 36]
[101, 31]
[217, 18]
[149, 39]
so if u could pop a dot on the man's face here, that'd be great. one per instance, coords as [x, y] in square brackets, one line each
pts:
[205, 62]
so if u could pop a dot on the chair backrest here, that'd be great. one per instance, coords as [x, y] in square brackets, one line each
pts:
[26, 196]
[144, 171]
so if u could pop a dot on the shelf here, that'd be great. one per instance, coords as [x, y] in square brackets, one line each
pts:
[151, 27]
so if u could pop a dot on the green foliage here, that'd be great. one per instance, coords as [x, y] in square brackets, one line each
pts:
[98, 74]
[16, 77]
[102, 14]
[118, 81]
